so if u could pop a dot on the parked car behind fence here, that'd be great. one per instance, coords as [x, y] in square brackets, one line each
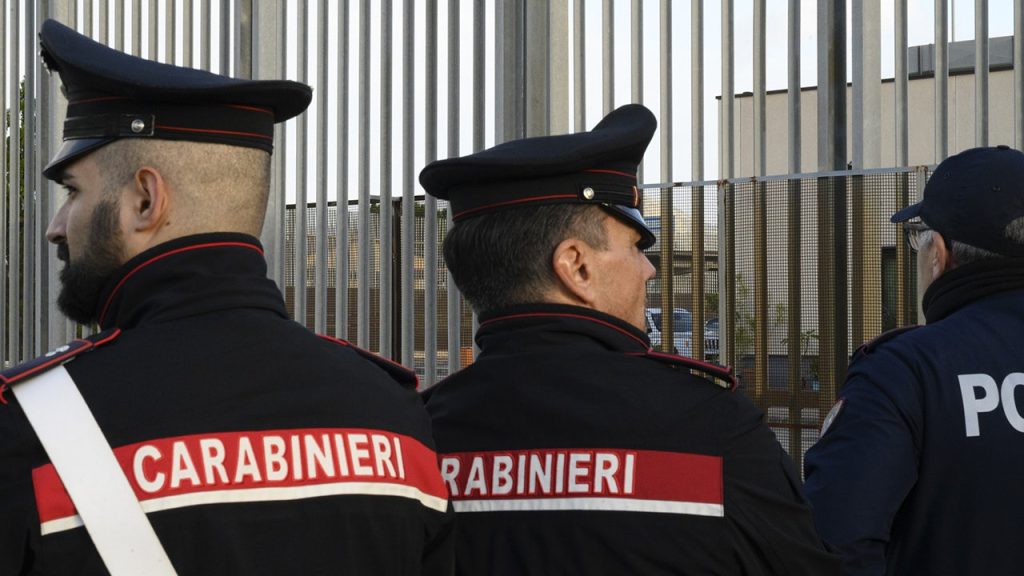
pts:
[682, 328]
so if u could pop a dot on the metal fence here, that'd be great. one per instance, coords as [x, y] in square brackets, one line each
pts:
[400, 83]
[803, 295]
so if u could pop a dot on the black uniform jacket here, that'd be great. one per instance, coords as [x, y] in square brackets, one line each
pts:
[206, 391]
[569, 447]
[922, 468]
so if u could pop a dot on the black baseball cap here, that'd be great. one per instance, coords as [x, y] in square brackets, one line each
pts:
[113, 95]
[972, 197]
[596, 167]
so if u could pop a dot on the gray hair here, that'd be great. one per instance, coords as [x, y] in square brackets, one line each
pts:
[966, 254]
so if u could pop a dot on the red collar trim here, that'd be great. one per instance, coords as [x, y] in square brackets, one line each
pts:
[565, 315]
[159, 257]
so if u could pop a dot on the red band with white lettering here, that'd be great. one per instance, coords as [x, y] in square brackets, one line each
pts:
[585, 479]
[260, 466]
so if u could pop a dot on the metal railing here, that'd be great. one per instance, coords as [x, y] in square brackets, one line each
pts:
[387, 103]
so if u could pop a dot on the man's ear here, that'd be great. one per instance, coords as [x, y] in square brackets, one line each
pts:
[146, 200]
[572, 265]
[941, 258]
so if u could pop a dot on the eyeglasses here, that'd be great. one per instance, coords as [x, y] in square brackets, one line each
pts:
[918, 234]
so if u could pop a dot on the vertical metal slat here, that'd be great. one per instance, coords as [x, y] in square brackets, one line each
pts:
[667, 212]
[5, 78]
[320, 283]
[941, 81]
[119, 24]
[1018, 74]
[430, 208]
[153, 22]
[385, 226]
[726, 202]
[408, 306]
[637, 69]
[341, 242]
[104, 24]
[901, 112]
[454, 303]
[697, 170]
[301, 167]
[479, 97]
[171, 30]
[186, 31]
[579, 67]
[206, 19]
[30, 238]
[608, 44]
[15, 201]
[760, 206]
[364, 272]
[794, 253]
[137, 27]
[225, 36]
[981, 72]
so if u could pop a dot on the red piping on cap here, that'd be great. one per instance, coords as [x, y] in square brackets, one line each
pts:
[251, 108]
[208, 131]
[511, 202]
[165, 255]
[615, 172]
[98, 99]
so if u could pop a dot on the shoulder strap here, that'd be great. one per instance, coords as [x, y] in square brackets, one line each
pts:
[720, 376]
[868, 347]
[96, 483]
[401, 374]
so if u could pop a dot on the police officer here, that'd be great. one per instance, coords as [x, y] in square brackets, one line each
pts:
[253, 445]
[569, 446]
[918, 469]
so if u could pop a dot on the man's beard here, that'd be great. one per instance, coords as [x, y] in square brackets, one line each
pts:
[82, 281]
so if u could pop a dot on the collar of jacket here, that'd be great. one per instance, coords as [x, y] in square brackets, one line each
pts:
[189, 276]
[539, 325]
[965, 284]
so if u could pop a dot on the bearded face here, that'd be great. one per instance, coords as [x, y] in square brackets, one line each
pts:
[84, 277]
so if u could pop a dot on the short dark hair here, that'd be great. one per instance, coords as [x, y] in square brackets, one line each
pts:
[503, 258]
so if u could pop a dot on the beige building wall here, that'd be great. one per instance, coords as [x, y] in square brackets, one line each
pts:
[921, 106]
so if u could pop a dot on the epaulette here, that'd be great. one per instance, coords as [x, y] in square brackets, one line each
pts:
[870, 346]
[55, 357]
[720, 376]
[403, 375]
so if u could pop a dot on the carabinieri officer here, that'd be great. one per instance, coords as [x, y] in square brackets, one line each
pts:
[229, 439]
[569, 446]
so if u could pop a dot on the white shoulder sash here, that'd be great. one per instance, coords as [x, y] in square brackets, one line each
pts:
[96, 483]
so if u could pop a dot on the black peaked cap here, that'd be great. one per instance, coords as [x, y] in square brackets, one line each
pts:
[972, 197]
[596, 167]
[113, 95]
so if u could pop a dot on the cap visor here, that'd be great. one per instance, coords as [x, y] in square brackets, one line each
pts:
[69, 151]
[634, 218]
[908, 213]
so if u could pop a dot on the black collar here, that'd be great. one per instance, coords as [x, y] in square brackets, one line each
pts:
[965, 284]
[188, 276]
[547, 324]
